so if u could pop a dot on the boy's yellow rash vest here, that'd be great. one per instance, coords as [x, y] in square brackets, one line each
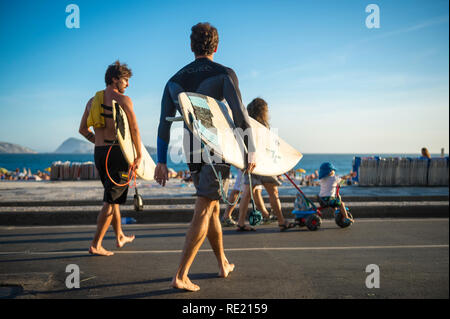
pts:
[96, 116]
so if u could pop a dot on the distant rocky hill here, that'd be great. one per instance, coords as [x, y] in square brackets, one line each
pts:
[14, 148]
[77, 146]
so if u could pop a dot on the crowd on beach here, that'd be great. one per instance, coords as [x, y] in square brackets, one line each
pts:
[24, 175]
[295, 174]
[313, 178]
[185, 175]
[300, 175]
[182, 175]
[303, 179]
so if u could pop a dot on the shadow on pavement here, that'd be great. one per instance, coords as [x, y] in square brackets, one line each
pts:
[168, 291]
[67, 240]
[48, 258]
[45, 234]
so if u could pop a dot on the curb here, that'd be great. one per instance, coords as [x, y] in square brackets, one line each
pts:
[184, 215]
[191, 201]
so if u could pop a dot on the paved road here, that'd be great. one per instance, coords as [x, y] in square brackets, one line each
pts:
[412, 255]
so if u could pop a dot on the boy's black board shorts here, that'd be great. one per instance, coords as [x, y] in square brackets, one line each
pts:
[118, 170]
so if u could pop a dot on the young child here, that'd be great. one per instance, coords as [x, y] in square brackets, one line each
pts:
[328, 184]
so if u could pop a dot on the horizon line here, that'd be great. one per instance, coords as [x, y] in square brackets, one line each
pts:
[304, 153]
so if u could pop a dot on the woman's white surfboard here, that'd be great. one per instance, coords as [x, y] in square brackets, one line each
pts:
[212, 122]
[147, 167]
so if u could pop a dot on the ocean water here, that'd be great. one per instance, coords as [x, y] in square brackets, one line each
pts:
[309, 162]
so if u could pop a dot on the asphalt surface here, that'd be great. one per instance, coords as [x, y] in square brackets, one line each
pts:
[181, 211]
[412, 256]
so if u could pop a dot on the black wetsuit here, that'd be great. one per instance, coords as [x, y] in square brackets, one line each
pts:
[205, 77]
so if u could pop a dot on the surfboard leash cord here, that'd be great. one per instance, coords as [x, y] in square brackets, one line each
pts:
[298, 188]
[131, 172]
[218, 175]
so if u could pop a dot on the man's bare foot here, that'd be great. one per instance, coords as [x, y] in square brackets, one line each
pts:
[100, 251]
[226, 269]
[185, 284]
[124, 240]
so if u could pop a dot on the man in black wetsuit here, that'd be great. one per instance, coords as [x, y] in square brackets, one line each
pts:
[209, 78]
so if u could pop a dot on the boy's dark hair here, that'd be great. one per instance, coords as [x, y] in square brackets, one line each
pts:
[204, 39]
[117, 70]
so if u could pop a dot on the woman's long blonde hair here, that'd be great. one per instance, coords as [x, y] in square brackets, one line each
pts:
[425, 153]
[259, 110]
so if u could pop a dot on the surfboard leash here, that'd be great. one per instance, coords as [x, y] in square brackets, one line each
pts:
[131, 172]
[300, 191]
[255, 216]
[218, 175]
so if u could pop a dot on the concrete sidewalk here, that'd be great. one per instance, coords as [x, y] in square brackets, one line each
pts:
[78, 203]
[87, 214]
[22, 191]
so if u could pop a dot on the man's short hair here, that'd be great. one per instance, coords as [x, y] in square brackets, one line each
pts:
[204, 39]
[117, 70]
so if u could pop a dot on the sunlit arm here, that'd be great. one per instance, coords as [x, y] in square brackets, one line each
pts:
[84, 129]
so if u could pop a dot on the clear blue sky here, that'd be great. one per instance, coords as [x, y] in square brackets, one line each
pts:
[332, 84]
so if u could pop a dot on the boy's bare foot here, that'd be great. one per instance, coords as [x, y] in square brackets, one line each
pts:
[184, 284]
[100, 251]
[226, 269]
[124, 240]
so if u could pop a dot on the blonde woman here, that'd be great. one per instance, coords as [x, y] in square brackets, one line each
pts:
[425, 153]
[259, 110]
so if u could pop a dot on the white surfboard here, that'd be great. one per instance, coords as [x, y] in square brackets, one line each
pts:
[212, 122]
[147, 167]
